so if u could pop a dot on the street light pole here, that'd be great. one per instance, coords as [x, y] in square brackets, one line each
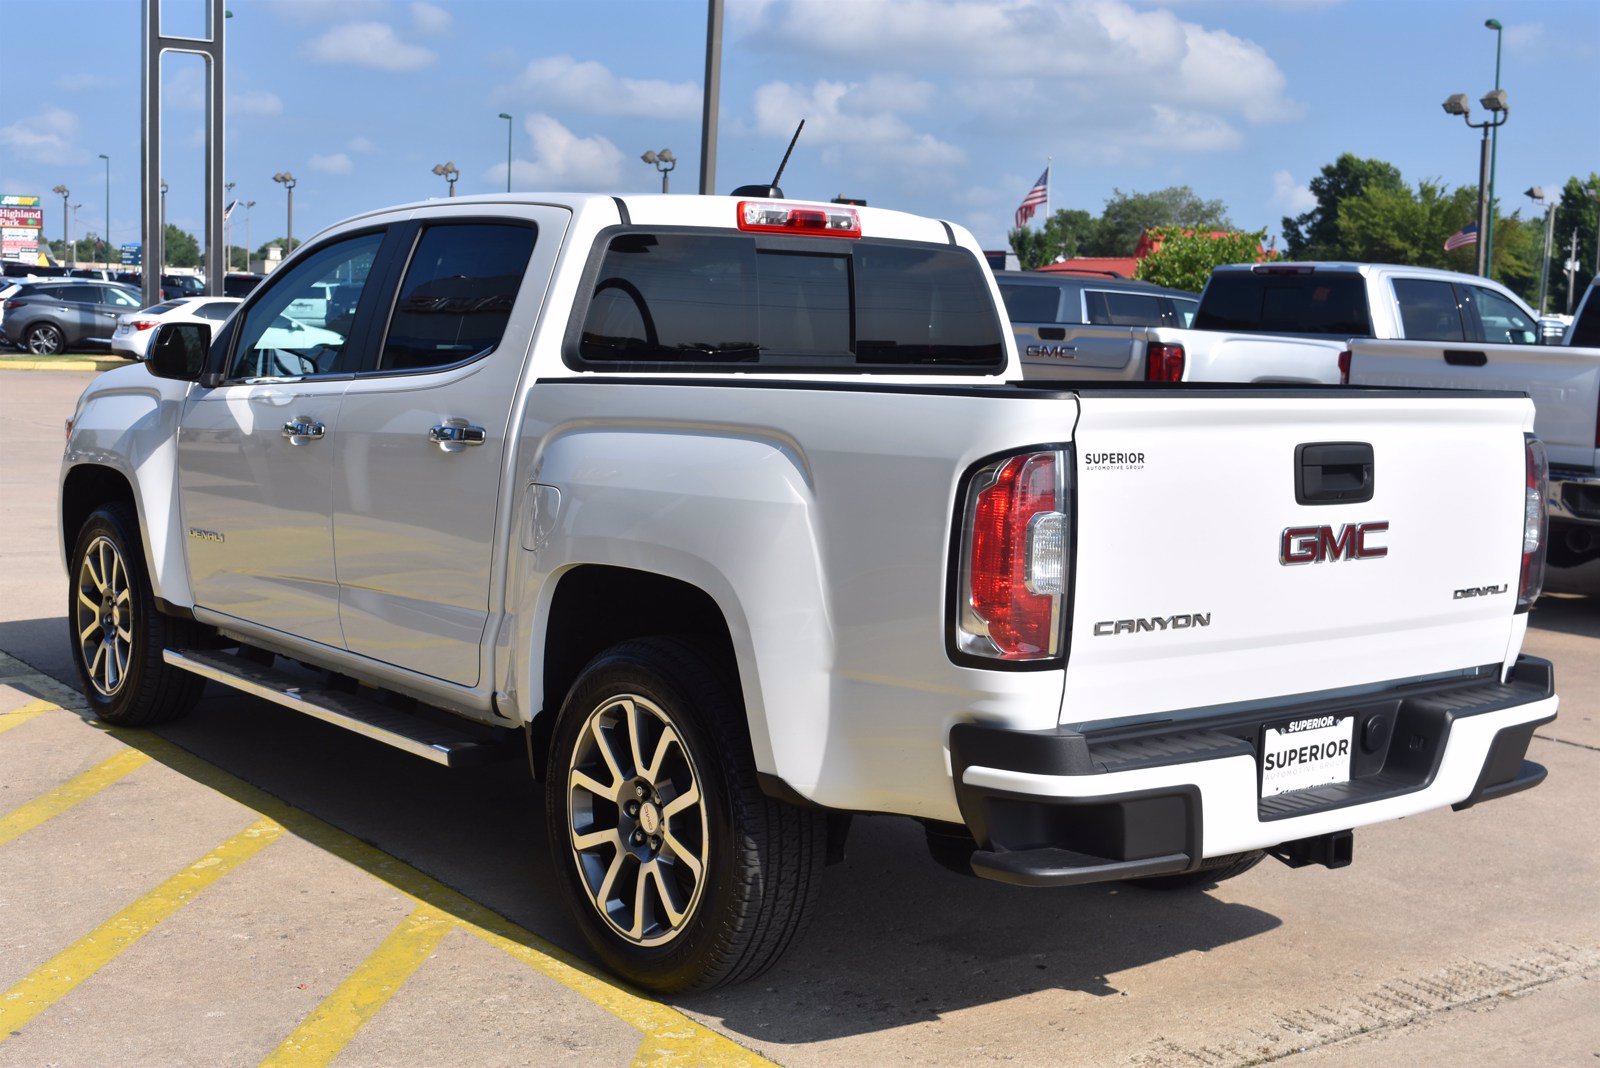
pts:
[664, 162]
[227, 228]
[62, 192]
[163, 225]
[708, 107]
[1536, 194]
[285, 179]
[70, 240]
[1494, 148]
[247, 205]
[449, 172]
[107, 236]
[509, 127]
[1495, 103]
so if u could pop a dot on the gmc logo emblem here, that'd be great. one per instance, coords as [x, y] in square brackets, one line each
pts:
[1316, 545]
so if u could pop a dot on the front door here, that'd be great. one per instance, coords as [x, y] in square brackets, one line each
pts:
[255, 455]
[422, 439]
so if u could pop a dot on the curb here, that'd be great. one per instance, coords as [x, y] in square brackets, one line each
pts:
[86, 364]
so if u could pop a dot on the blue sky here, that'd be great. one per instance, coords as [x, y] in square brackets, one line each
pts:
[942, 107]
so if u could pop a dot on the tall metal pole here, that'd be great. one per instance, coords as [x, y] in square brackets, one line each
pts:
[70, 240]
[107, 235]
[247, 250]
[65, 194]
[1486, 233]
[290, 236]
[1572, 269]
[1483, 204]
[1549, 238]
[509, 127]
[713, 90]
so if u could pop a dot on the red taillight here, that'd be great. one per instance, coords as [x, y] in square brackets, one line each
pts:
[1014, 559]
[1535, 523]
[1163, 363]
[777, 217]
[1344, 368]
[13, 304]
[145, 324]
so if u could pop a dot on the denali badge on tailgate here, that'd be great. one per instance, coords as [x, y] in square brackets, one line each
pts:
[1316, 545]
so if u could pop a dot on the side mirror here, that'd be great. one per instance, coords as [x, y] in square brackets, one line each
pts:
[179, 351]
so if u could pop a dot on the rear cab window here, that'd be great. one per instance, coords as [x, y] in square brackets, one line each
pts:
[1281, 302]
[682, 300]
[1031, 303]
[1110, 308]
[1429, 310]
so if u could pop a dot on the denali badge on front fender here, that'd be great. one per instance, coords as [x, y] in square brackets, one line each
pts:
[1316, 545]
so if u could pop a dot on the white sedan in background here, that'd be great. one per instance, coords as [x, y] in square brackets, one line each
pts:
[134, 330]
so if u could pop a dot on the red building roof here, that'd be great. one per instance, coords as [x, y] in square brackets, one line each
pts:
[1114, 266]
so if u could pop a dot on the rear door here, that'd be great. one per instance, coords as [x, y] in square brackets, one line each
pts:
[420, 457]
[1203, 574]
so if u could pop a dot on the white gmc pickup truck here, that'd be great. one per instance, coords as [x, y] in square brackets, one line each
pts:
[735, 517]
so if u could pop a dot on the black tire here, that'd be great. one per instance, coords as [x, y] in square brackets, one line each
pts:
[44, 339]
[145, 690]
[1209, 874]
[760, 860]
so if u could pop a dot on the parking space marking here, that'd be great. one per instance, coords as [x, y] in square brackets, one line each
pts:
[55, 979]
[29, 815]
[18, 716]
[669, 1036]
[343, 1013]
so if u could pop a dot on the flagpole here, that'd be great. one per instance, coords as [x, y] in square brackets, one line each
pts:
[1047, 161]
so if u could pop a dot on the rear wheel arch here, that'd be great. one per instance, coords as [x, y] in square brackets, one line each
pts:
[597, 606]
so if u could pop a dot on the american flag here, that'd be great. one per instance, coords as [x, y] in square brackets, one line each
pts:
[228, 211]
[1467, 235]
[1036, 196]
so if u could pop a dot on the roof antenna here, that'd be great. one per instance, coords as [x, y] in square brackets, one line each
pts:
[772, 190]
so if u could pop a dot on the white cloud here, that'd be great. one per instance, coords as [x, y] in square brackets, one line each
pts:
[428, 19]
[591, 88]
[255, 102]
[854, 124]
[360, 145]
[369, 44]
[77, 83]
[1525, 37]
[47, 137]
[1291, 196]
[306, 11]
[561, 160]
[1103, 79]
[337, 163]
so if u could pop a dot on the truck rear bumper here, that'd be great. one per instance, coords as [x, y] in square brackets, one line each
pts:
[1067, 806]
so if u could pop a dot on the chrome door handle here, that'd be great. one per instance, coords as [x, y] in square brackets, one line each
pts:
[452, 437]
[301, 431]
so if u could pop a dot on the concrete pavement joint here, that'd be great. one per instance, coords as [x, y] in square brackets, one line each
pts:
[1395, 1004]
[1563, 741]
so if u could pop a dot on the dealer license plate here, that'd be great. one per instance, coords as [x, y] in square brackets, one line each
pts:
[1302, 753]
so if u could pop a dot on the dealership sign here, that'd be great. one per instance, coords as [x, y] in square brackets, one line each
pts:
[13, 216]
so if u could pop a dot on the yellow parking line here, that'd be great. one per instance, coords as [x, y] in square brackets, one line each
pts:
[101, 946]
[332, 1025]
[28, 816]
[18, 716]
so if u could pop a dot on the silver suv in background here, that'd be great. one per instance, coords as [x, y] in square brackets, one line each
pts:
[49, 317]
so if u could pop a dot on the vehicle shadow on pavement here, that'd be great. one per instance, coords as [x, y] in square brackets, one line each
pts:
[1567, 613]
[896, 939]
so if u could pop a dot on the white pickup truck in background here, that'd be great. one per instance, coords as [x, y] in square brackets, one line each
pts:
[1457, 338]
[733, 517]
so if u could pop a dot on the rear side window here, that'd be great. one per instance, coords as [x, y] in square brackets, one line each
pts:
[1183, 311]
[457, 294]
[1107, 308]
[1277, 303]
[1031, 304]
[1586, 328]
[1428, 310]
[675, 301]
[1503, 322]
[78, 294]
[216, 310]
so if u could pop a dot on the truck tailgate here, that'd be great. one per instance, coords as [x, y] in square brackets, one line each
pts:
[1185, 502]
[1563, 382]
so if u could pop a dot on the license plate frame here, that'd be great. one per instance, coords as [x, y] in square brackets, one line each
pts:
[1304, 753]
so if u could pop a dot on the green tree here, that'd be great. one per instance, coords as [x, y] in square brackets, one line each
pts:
[1316, 234]
[1128, 215]
[284, 243]
[1576, 215]
[1060, 238]
[181, 248]
[1185, 259]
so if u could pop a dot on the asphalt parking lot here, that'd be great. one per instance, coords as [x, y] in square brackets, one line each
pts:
[250, 886]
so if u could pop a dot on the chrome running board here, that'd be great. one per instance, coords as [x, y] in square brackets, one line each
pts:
[354, 712]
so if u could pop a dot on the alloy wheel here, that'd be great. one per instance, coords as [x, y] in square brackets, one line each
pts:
[637, 823]
[105, 616]
[44, 341]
